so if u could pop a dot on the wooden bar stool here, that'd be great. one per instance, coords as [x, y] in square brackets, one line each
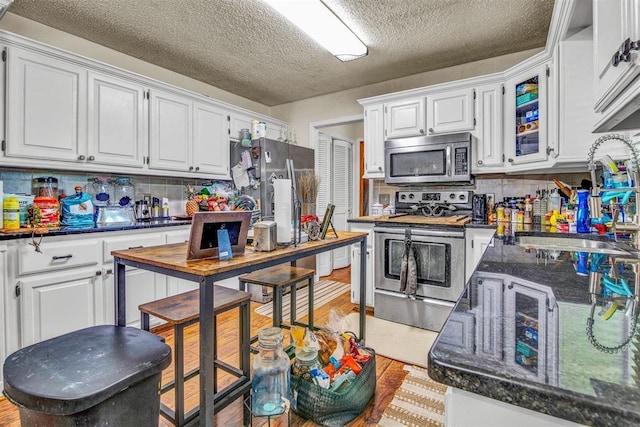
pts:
[279, 278]
[183, 310]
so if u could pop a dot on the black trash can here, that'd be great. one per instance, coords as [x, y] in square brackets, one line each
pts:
[98, 376]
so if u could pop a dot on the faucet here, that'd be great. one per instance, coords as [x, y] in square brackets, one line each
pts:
[595, 201]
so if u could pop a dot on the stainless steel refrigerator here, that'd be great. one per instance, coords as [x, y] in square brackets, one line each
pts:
[269, 162]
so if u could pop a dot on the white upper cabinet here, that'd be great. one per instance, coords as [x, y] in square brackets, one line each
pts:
[115, 121]
[67, 112]
[488, 132]
[46, 117]
[374, 141]
[188, 136]
[404, 118]
[170, 132]
[450, 112]
[614, 21]
[525, 134]
[238, 122]
[210, 140]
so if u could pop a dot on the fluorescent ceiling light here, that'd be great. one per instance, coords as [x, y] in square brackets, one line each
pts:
[318, 21]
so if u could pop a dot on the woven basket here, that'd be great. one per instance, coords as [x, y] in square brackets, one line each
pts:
[330, 408]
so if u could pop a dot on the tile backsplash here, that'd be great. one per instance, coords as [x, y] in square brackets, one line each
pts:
[501, 185]
[20, 181]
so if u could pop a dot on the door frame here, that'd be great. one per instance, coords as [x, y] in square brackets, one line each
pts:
[314, 129]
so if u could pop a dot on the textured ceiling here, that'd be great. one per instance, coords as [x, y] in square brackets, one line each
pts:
[244, 47]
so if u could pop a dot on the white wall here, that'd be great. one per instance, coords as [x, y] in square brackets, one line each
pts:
[343, 104]
[48, 35]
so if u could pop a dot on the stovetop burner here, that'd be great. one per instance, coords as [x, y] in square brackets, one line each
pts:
[434, 203]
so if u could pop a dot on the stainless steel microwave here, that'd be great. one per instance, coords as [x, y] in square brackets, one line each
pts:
[441, 159]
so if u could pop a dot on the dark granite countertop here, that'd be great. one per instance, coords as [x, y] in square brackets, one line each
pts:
[63, 231]
[519, 334]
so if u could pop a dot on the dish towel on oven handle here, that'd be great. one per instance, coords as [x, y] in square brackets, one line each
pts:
[409, 267]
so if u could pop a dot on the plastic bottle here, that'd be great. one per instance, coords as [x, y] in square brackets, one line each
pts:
[11, 211]
[528, 210]
[537, 209]
[270, 390]
[583, 222]
[554, 200]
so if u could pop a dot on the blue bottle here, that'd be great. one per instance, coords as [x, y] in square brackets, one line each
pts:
[583, 221]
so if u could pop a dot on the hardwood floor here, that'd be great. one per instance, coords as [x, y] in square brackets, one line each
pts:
[389, 373]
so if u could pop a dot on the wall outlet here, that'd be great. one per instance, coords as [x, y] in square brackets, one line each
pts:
[384, 199]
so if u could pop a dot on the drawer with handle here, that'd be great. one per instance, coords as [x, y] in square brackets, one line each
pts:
[129, 242]
[57, 255]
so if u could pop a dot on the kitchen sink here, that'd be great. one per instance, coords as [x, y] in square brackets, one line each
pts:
[574, 244]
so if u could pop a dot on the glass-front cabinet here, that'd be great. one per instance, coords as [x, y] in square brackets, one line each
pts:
[526, 117]
[530, 330]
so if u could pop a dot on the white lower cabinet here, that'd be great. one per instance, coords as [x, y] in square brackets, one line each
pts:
[3, 308]
[142, 286]
[174, 285]
[55, 304]
[355, 265]
[477, 240]
[70, 284]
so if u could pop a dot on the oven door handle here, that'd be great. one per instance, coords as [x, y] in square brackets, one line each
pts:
[420, 232]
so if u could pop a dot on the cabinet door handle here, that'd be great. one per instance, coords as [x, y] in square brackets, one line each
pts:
[81, 157]
[136, 247]
[430, 130]
[109, 270]
[479, 162]
[190, 168]
[422, 131]
[99, 273]
[91, 158]
[510, 286]
[197, 168]
[510, 160]
[379, 168]
[56, 258]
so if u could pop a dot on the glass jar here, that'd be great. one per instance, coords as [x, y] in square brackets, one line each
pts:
[103, 191]
[45, 187]
[306, 359]
[270, 391]
[125, 192]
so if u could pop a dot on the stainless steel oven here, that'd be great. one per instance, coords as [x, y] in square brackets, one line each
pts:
[440, 274]
[441, 159]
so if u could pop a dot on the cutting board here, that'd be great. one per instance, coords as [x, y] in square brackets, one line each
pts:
[456, 220]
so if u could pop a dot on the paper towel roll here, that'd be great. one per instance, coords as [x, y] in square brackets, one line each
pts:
[282, 209]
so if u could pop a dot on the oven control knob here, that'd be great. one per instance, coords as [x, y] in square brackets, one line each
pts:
[452, 196]
[403, 196]
[461, 197]
[411, 195]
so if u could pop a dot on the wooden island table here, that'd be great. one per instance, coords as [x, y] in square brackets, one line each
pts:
[171, 260]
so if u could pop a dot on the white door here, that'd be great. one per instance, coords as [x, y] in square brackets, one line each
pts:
[342, 195]
[116, 122]
[334, 164]
[170, 127]
[46, 119]
[210, 140]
